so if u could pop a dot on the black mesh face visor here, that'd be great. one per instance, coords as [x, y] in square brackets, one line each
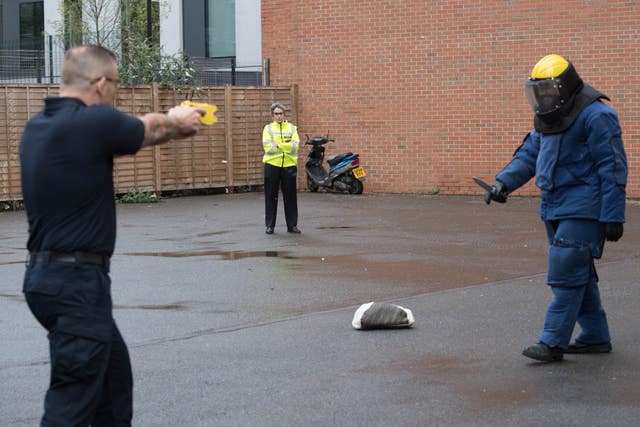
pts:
[544, 96]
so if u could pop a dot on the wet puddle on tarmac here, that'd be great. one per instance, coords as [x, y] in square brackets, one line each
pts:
[12, 262]
[12, 297]
[484, 393]
[435, 365]
[15, 251]
[170, 307]
[225, 255]
[212, 233]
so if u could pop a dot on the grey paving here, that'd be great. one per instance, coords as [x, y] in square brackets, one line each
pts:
[228, 326]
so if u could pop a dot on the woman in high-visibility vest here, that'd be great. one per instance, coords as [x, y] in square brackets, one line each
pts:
[280, 141]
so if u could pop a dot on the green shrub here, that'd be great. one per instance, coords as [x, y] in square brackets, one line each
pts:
[135, 196]
[11, 205]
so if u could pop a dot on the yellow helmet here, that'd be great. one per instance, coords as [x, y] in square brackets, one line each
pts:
[552, 88]
[550, 66]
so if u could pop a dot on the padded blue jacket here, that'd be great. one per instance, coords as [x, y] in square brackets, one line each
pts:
[582, 172]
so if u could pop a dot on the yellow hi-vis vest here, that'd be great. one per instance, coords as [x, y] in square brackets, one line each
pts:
[285, 135]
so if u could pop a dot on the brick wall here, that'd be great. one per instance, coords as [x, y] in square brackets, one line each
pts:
[431, 93]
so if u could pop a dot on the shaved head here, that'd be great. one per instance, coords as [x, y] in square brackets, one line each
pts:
[84, 63]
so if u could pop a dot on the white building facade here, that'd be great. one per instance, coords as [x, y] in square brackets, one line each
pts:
[213, 31]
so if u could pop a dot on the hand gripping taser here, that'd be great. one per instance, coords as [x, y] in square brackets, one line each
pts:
[209, 117]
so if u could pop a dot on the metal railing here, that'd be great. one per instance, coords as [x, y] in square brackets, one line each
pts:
[221, 71]
[21, 66]
[44, 66]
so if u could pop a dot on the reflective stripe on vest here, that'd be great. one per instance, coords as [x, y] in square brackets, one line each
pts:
[272, 142]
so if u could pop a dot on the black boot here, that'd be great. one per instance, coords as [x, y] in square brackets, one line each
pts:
[543, 352]
[582, 348]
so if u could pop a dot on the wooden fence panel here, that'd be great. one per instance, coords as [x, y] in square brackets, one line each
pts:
[250, 114]
[5, 150]
[135, 172]
[20, 102]
[195, 162]
[215, 158]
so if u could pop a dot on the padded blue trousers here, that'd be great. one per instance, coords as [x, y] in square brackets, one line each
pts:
[574, 283]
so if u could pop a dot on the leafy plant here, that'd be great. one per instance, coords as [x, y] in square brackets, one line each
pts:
[121, 26]
[135, 196]
[434, 191]
[11, 205]
[143, 63]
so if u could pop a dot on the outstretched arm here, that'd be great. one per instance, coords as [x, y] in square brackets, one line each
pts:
[179, 123]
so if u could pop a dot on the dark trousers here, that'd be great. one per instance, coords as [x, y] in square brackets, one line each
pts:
[276, 178]
[91, 380]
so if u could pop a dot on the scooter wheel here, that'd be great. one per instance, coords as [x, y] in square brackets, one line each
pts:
[356, 187]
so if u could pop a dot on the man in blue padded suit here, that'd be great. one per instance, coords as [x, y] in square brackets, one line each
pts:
[577, 156]
[66, 158]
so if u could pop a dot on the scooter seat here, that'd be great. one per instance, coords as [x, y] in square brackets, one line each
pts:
[334, 160]
[318, 140]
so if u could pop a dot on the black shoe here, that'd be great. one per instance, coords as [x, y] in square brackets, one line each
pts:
[269, 230]
[543, 352]
[583, 348]
[294, 229]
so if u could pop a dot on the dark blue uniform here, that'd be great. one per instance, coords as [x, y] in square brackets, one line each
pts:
[66, 156]
[582, 174]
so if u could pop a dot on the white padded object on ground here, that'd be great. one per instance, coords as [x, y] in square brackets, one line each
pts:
[377, 315]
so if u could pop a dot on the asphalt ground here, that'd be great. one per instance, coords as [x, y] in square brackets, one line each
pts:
[228, 326]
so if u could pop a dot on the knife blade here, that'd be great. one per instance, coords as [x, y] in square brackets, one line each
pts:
[482, 184]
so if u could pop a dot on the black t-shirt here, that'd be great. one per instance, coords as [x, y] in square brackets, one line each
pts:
[66, 159]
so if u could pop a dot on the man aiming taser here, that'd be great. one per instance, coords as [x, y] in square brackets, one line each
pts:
[66, 156]
[577, 156]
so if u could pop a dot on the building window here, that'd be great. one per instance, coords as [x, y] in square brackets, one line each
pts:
[220, 27]
[32, 26]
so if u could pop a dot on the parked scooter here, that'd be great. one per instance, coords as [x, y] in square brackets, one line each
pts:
[345, 172]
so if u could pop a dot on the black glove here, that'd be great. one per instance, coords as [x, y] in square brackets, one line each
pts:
[613, 231]
[498, 193]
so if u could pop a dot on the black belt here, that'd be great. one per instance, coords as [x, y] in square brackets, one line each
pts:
[75, 257]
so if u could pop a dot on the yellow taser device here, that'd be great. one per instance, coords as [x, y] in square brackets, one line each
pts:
[209, 117]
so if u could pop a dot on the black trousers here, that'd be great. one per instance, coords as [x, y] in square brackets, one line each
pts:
[276, 178]
[91, 380]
